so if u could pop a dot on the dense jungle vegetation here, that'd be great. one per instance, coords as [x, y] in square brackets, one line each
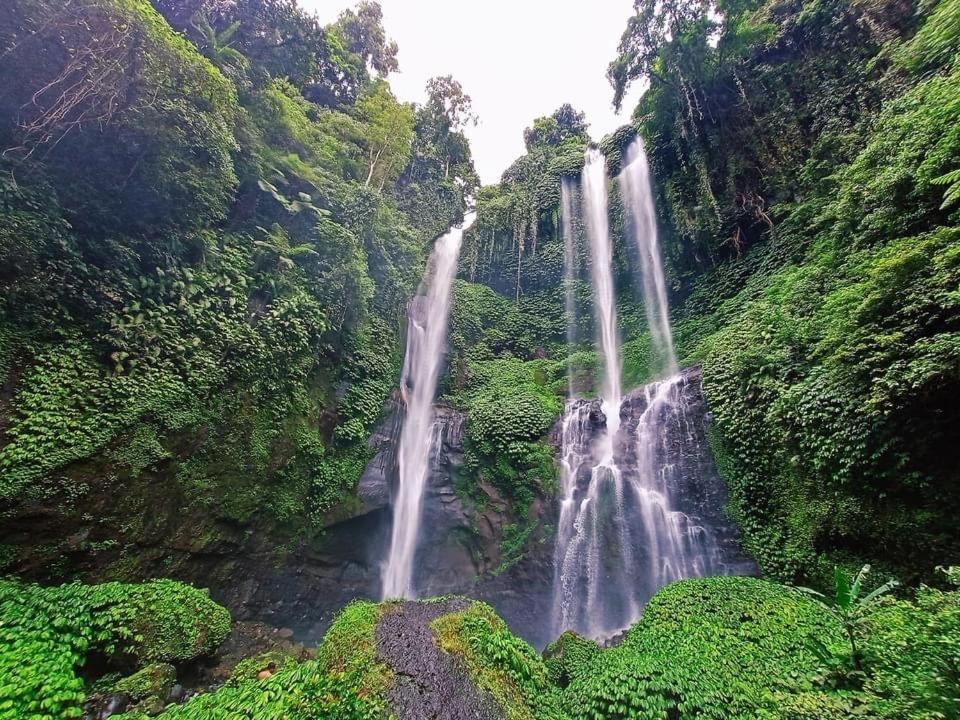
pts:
[212, 217]
[220, 293]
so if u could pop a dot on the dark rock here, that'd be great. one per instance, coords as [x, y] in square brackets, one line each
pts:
[428, 684]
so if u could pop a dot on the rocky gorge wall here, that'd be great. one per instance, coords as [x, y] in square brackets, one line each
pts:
[260, 573]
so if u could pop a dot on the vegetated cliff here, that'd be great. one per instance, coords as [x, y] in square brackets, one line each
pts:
[806, 164]
[204, 262]
[207, 243]
[805, 157]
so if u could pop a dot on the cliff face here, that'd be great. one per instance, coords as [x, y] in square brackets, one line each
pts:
[263, 571]
[688, 469]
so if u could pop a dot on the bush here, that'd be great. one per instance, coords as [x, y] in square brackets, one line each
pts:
[720, 648]
[47, 633]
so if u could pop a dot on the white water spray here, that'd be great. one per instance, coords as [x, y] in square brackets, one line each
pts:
[426, 341]
[637, 194]
[601, 272]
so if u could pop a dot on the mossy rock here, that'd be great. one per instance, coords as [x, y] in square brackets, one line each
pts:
[174, 622]
[568, 657]
[154, 680]
[499, 663]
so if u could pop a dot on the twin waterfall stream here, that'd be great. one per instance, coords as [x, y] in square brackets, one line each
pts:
[620, 534]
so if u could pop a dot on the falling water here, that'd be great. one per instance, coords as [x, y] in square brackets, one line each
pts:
[426, 339]
[624, 461]
[637, 194]
[582, 562]
[601, 274]
[567, 214]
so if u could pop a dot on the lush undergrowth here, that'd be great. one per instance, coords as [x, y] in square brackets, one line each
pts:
[204, 322]
[49, 633]
[707, 648]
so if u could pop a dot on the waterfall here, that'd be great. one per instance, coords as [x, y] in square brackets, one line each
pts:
[601, 274]
[583, 561]
[634, 470]
[637, 194]
[426, 340]
[567, 213]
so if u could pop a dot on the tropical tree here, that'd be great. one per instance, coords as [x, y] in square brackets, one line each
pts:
[847, 605]
[388, 133]
[363, 34]
[566, 122]
[218, 46]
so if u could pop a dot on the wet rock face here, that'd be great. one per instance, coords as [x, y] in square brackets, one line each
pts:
[692, 481]
[458, 550]
[428, 684]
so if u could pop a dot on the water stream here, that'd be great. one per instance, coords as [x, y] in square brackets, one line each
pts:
[625, 460]
[637, 194]
[426, 343]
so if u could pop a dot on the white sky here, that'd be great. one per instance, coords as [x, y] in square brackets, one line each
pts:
[517, 59]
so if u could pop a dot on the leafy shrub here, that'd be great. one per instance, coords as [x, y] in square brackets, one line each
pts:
[569, 657]
[832, 378]
[712, 648]
[47, 633]
[510, 407]
[912, 656]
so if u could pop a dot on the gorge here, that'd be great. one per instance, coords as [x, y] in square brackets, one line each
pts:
[301, 420]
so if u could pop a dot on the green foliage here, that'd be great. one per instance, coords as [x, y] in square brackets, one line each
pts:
[829, 356]
[568, 657]
[159, 154]
[48, 633]
[913, 655]
[498, 662]
[300, 692]
[716, 648]
[216, 299]
[249, 668]
[154, 680]
[344, 682]
[849, 607]
[510, 406]
[936, 42]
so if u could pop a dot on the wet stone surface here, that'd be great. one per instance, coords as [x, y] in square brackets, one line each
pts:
[429, 684]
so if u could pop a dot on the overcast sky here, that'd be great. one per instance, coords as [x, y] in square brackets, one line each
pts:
[517, 59]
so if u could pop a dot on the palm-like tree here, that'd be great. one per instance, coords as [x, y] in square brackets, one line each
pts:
[216, 45]
[848, 606]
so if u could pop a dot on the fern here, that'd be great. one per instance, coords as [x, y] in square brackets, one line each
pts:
[952, 193]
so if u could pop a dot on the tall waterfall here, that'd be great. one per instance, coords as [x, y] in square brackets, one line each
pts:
[637, 194]
[628, 464]
[426, 341]
[583, 561]
[567, 214]
[601, 274]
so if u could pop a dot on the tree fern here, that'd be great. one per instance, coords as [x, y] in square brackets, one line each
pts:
[952, 193]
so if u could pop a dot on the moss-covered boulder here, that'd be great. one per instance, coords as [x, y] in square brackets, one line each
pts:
[173, 622]
[154, 680]
[568, 656]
